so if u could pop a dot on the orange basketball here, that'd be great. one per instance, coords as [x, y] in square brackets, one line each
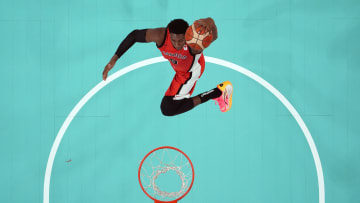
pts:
[197, 38]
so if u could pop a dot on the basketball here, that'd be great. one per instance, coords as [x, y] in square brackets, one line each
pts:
[197, 38]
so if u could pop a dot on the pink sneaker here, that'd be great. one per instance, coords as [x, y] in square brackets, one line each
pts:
[225, 100]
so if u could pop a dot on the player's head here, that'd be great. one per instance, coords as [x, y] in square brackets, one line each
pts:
[178, 26]
[177, 29]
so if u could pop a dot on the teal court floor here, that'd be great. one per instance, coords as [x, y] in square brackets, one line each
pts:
[53, 53]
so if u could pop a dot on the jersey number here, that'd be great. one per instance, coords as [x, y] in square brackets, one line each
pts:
[173, 61]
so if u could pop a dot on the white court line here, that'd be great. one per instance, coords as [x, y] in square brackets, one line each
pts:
[220, 62]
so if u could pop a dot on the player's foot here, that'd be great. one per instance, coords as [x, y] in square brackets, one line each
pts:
[225, 100]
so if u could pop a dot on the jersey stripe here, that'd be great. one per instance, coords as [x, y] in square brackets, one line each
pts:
[195, 72]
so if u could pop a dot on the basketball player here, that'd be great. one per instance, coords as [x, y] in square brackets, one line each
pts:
[188, 64]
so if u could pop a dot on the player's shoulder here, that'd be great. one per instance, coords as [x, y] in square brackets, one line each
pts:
[156, 35]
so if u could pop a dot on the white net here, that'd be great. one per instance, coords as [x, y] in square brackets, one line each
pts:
[166, 174]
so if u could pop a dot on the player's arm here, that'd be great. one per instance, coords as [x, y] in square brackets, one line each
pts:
[156, 35]
[209, 25]
[145, 35]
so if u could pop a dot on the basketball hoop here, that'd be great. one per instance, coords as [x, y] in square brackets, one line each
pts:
[161, 162]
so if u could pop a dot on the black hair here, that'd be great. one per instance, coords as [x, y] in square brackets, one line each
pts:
[178, 26]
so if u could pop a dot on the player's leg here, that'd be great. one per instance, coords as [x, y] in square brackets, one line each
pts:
[222, 94]
[206, 96]
[177, 98]
[171, 107]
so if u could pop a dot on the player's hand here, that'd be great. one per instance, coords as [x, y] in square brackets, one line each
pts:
[107, 68]
[206, 23]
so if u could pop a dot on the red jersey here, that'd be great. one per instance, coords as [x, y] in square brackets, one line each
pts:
[188, 67]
